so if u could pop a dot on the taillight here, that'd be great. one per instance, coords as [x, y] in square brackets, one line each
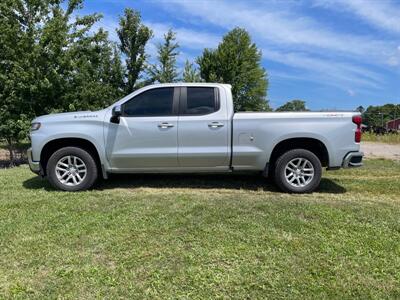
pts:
[357, 120]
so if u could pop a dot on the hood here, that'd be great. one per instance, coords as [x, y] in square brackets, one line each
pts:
[70, 116]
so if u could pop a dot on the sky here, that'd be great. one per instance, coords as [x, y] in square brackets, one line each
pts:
[332, 54]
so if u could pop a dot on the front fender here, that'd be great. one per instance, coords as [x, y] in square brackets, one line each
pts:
[87, 130]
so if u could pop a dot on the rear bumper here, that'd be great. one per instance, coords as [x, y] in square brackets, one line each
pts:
[353, 160]
[33, 165]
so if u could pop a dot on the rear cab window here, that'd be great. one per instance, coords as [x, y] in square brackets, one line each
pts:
[199, 101]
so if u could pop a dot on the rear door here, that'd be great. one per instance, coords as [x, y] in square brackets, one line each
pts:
[146, 136]
[202, 129]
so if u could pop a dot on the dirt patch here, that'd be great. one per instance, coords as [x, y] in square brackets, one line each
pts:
[380, 150]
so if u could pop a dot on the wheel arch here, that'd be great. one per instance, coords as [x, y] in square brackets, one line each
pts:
[53, 145]
[314, 145]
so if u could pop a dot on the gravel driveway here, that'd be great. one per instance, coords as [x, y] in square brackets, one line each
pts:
[381, 150]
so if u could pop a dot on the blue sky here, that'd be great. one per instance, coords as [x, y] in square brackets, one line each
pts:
[332, 54]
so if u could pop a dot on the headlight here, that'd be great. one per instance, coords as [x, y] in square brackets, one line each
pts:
[35, 126]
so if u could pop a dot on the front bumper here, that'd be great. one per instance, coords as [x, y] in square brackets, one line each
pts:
[33, 165]
[353, 160]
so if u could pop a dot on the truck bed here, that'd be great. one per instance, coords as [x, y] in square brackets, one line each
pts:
[256, 134]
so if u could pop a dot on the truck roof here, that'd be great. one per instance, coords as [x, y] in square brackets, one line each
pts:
[191, 84]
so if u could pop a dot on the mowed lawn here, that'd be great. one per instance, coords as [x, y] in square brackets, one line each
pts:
[202, 237]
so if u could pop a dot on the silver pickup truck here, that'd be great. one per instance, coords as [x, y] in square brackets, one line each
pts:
[192, 128]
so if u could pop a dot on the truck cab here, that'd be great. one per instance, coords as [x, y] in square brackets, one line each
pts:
[171, 127]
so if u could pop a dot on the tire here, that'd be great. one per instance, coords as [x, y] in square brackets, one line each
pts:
[298, 171]
[65, 169]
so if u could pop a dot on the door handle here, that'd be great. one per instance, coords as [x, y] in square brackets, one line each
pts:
[165, 125]
[215, 124]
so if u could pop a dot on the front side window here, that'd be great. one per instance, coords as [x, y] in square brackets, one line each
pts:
[200, 101]
[155, 102]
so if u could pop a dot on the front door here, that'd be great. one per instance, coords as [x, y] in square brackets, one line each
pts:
[203, 129]
[146, 136]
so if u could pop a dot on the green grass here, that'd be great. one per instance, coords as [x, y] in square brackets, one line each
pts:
[202, 237]
[387, 138]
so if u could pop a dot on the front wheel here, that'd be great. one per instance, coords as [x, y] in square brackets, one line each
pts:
[71, 169]
[298, 171]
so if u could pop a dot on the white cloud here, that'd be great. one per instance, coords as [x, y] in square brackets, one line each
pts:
[186, 38]
[381, 14]
[327, 72]
[393, 61]
[286, 29]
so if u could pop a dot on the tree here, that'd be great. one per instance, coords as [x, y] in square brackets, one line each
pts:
[378, 116]
[97, 74]
[190, 73]
[237, 61]
[165, 69]
[51, 61]
[294, 105]
[133, 36]
[20, 77]
[360, 109]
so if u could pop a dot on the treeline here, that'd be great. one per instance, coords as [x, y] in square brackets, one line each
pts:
[52, 60]
[378, 116]
[293, 105]
[374, 117]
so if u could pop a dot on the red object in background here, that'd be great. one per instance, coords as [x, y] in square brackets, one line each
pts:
[357, 136]
[393, 124]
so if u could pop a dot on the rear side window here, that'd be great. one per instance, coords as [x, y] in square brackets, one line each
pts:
[155, 102]
[201, 101]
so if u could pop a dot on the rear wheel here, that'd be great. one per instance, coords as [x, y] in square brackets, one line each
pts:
[71, 169]
[298, 171]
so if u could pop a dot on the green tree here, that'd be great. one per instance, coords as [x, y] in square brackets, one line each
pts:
[50, 61]
[237, 61]
[21, 79]
[360, 109]
[133, 36]
[165, 69]
[378, 116]
[96, 80]
[190, 73]
[294, 105]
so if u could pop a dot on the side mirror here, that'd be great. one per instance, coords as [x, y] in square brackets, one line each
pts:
[117, 111]
[115, 114]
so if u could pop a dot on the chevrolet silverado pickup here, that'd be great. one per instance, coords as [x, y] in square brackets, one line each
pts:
[192, 127]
